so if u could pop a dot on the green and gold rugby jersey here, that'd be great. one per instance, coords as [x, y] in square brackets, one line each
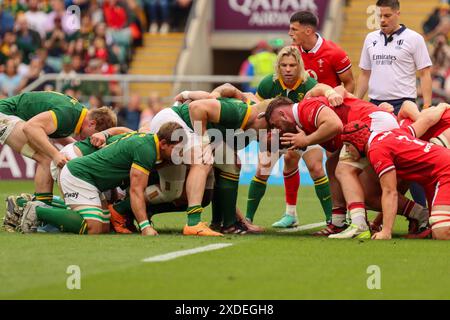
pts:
[110, 167]
[270, 89]
[234, 114]
[86, 147]
[67, 113]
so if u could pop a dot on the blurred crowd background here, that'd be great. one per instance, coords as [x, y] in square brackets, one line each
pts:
[36, 38]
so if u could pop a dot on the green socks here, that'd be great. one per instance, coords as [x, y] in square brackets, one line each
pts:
[255, 194]
[66, 220]
[225, 197]
[45, 197]
[194, 215]
[322, 187]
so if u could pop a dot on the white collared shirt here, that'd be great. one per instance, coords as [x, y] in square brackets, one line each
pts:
[393, 64]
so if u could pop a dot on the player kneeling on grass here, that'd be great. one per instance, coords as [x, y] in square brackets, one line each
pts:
[398, 153]
[83, 179]
[15, 204]
[28, 120]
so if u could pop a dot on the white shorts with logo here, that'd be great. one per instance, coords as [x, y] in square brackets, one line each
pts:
[381, 122]
[78, 192]
[7, 124]
[68, 151]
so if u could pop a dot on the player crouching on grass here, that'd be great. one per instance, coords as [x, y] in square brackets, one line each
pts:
[83, 179]
[15, 204]
[28, 121]
[399, 153]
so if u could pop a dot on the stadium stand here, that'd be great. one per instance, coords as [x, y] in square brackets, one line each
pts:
[36, 38]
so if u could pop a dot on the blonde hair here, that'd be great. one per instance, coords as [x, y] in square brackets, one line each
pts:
[294, 52]
[104, 117]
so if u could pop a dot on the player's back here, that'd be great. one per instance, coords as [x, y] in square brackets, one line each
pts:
[29, 104]
[356, 109]
[414, 159]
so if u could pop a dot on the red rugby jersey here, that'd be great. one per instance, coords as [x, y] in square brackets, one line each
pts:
[413, 159]
[435, 130]
[307, 112]
[326, 61]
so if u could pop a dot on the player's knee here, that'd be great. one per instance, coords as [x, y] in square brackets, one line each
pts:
[344, 172]
[441, 233]
[291, 160]
[316, 170]
[440, 226]
[94, 227]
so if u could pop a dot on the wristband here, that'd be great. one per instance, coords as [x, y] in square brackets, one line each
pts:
[106, 134]
[185, 95]
[144, 224]
[330, 92]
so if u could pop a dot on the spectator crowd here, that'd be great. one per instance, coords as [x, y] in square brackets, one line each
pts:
[436, 30]
[40, 36]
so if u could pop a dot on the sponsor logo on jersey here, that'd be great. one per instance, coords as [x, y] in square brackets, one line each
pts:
[384, 59]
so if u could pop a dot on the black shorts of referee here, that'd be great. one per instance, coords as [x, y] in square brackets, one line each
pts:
[397, 104]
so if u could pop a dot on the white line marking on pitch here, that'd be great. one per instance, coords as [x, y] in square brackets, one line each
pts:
[177, 254]
[305, 227]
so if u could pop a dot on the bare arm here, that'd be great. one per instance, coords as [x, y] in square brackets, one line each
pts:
[138, 183]
[389, 199]
[425, 84]
[409, 110]
[204, 111]
[324, 90]
[328, 126]
[428, 118]
[362, 84]
[192, 96]
[348, 80]
[99, 139]
[228, 91]
[37, 130]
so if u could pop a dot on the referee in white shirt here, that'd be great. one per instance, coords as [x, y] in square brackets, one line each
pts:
[389, 61]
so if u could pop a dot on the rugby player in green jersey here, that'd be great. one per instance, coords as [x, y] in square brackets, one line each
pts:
[129, 158]
[293, 81]
[217, 116]
[28, 120]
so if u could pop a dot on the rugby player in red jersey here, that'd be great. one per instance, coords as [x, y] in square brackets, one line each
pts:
[324, 60]
[314, 121]
[398, 153]
[438, 134]
[328, 64]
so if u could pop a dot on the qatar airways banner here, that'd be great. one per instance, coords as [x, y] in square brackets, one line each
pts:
[263, 15]
[14, 165]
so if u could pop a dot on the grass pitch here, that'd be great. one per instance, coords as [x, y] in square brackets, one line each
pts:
[269, 266]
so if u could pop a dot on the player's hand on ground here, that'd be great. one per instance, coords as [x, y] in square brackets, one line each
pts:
[60, 160]
[98, 140]
[335, 99]
[295, 140]
[149, 231]
[382, 235]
